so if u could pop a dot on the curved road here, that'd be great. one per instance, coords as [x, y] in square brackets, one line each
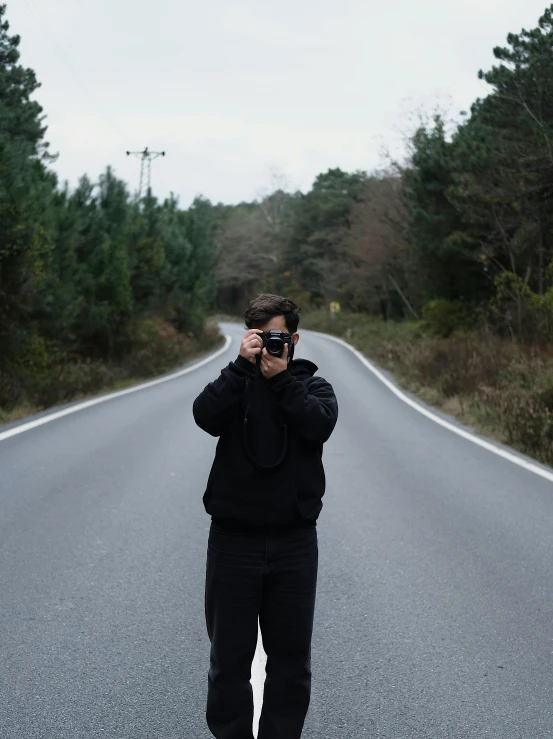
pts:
[435, 599]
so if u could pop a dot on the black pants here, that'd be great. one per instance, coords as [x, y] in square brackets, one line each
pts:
[271, 577]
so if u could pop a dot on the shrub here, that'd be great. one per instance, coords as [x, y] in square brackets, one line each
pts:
[156, 347]
[500, 384]
[526, 417]
[443, 317]
[211, 336]
[522, 314]
[48, 376]
[68, 380]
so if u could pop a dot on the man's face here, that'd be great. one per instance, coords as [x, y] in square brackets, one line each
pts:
[279, 324]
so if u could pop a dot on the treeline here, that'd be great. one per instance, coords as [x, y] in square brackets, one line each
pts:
[89, 279]
[460, 236]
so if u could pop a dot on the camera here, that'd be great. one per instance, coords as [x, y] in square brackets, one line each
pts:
[274, 342]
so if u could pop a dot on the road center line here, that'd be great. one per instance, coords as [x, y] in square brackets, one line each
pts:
[258, 680]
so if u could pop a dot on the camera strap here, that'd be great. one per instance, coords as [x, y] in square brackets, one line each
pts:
[250, 455]
[245, 433]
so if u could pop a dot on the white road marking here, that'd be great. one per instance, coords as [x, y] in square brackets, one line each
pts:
[260, 658]
[258, 681]
[511, 457]
[111, 396]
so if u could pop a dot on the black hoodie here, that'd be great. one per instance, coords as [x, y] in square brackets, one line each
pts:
[268, 468]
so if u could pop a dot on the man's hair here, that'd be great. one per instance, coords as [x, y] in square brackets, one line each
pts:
[266, 306]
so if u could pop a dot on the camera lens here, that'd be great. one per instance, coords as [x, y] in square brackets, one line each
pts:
[275, 347]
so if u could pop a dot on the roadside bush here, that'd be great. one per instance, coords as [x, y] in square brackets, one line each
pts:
[502, 387]
[518, 312]
[68, 380]
[211, 336]
[156, 347]
[443, 317]
[47, 376]
[526, 417]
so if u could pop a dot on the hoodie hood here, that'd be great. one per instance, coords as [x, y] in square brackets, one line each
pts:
[302, 368]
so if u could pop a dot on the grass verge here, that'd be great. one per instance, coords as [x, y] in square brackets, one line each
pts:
[497, 387]
[158, 349]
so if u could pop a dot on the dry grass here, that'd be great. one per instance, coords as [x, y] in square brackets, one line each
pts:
[159, 348]
[497, 387]
[16, 414]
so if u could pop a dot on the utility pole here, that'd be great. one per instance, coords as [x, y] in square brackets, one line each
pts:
[146, 158]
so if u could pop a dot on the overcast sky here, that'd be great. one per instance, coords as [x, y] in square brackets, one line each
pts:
[234, 91]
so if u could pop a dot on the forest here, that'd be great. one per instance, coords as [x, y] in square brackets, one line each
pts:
[442, 262]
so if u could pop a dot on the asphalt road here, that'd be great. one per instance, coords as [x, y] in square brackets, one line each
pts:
[435, 599]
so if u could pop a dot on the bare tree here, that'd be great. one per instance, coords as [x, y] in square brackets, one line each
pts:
[378, 268]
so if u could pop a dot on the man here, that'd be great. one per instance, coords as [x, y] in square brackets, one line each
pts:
[272, 416]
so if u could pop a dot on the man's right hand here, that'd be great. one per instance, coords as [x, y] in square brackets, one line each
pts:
[251, 345]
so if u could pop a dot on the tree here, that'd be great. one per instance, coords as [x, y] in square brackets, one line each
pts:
[250, 248]
[26, 189]
[447, 254]
[192, 256]
[319, 224]
[379, 273]
[519, 112]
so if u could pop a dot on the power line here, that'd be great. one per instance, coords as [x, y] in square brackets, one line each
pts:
[146, 158]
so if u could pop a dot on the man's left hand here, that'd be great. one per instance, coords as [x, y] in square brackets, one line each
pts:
[271, 365]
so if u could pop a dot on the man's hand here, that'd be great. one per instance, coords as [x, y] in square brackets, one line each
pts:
[271, 366]
[251, 345]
